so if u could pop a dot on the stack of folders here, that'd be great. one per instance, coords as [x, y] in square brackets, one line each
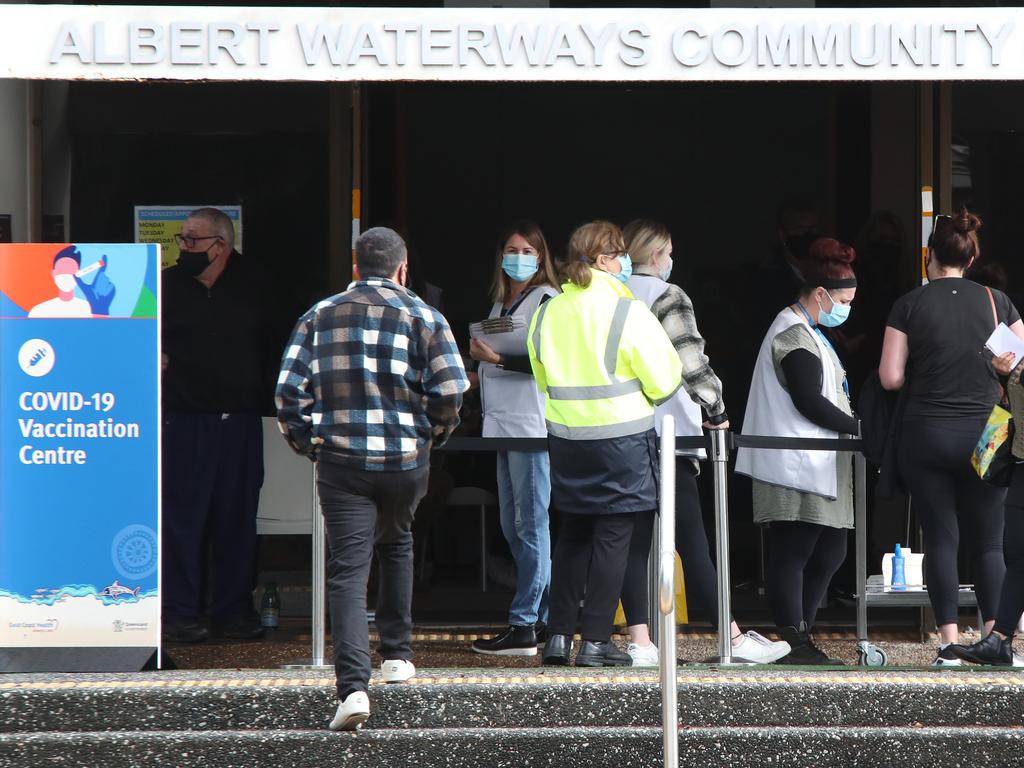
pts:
[505, 335]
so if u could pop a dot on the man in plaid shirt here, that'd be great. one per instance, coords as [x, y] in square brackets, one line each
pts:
[370, 381]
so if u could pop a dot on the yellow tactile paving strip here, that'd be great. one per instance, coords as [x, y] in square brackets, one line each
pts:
[952, 680]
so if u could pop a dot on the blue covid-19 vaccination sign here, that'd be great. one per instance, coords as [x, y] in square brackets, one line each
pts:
[79, 450]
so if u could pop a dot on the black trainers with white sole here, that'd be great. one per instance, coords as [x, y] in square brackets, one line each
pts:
[946, 657]
[514, 641]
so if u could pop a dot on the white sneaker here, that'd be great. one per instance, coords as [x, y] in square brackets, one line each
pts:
[352, 712]
[645, 656]
[759, 649]
[397, 671]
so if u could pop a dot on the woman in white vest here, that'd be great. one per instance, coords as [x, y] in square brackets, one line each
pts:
[698, 402]
[805, 498]
[524, 278]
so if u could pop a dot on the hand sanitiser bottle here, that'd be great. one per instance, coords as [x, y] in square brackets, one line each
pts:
[270, 607]
[899, 573]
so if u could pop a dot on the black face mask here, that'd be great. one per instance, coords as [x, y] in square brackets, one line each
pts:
[194, 262]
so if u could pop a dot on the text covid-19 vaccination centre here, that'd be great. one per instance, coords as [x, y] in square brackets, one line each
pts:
[733, 125]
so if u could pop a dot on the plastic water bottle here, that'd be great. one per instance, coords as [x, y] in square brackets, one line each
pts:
[899, 573]
[270, 606]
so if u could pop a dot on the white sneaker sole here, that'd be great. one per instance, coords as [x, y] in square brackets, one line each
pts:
[644, 664]
[397, 676]
[531, 651]
[947, 663]
[352, 722]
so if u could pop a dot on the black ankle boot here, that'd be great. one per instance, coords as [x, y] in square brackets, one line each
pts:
[991, 649]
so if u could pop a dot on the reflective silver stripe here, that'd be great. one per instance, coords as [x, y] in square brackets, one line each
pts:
[597, 433]
[536, 330]
[611, 351]
[596, 391]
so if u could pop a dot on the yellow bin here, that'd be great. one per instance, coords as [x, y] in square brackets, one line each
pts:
[681, 615]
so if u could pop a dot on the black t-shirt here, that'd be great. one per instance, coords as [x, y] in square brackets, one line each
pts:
[216, 341]
[949, 372]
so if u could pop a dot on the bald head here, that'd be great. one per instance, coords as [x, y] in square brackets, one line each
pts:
[217, 223]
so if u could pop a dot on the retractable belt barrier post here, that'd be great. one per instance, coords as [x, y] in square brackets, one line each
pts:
[667, 593]
[719, 454]
[319, 568]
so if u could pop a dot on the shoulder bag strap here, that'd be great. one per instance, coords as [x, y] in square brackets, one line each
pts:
[992, 301]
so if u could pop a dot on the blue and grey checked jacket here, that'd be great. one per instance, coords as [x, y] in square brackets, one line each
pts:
[371, 378]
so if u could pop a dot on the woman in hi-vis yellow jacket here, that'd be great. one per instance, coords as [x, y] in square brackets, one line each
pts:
[603, 361]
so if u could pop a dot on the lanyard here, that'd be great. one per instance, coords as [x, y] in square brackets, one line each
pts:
[824, 338]
[515, 305]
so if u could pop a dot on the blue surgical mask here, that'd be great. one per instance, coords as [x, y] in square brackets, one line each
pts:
[627, 268]
[519, 266]
[666, 273]
[836, 316]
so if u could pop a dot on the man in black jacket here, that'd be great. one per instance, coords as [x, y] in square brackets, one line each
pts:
[217, 379]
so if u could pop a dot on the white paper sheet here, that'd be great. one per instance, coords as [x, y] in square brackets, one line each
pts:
[1004, 340]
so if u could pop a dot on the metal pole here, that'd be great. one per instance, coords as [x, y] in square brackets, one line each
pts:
[319, 568]
[720, 467]
[667, 594]
[319, 578]
[861, 537]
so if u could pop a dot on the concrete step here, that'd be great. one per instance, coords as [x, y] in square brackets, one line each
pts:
[268, 701]
[607, 747]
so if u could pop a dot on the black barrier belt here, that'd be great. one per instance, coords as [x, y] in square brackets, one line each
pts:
[798, 443]
[483, 444]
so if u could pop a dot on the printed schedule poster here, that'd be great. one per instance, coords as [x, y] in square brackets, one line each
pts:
[79, 450]
[160, 223]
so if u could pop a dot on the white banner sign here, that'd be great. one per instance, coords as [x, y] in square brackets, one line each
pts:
[481, 44]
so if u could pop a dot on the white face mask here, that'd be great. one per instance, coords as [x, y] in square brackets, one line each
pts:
[65, 282]
[666, 273]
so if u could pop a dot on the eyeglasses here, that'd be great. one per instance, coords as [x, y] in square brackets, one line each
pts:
[184, 241]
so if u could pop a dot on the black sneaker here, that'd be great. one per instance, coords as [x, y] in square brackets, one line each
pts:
[244, 626]
[602, 653]
[947, 657]
[183, 629]
[514, 641]
[991, 649]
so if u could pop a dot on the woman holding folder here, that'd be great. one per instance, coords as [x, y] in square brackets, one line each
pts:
[524, 278]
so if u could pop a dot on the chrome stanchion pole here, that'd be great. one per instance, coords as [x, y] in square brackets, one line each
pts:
[720, 468]
[667, 594]
[319, 568]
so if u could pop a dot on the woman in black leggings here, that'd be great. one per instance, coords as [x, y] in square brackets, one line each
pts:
[934, 345]
[997, 647]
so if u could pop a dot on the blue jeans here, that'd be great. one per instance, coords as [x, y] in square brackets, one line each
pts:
[524, 492]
